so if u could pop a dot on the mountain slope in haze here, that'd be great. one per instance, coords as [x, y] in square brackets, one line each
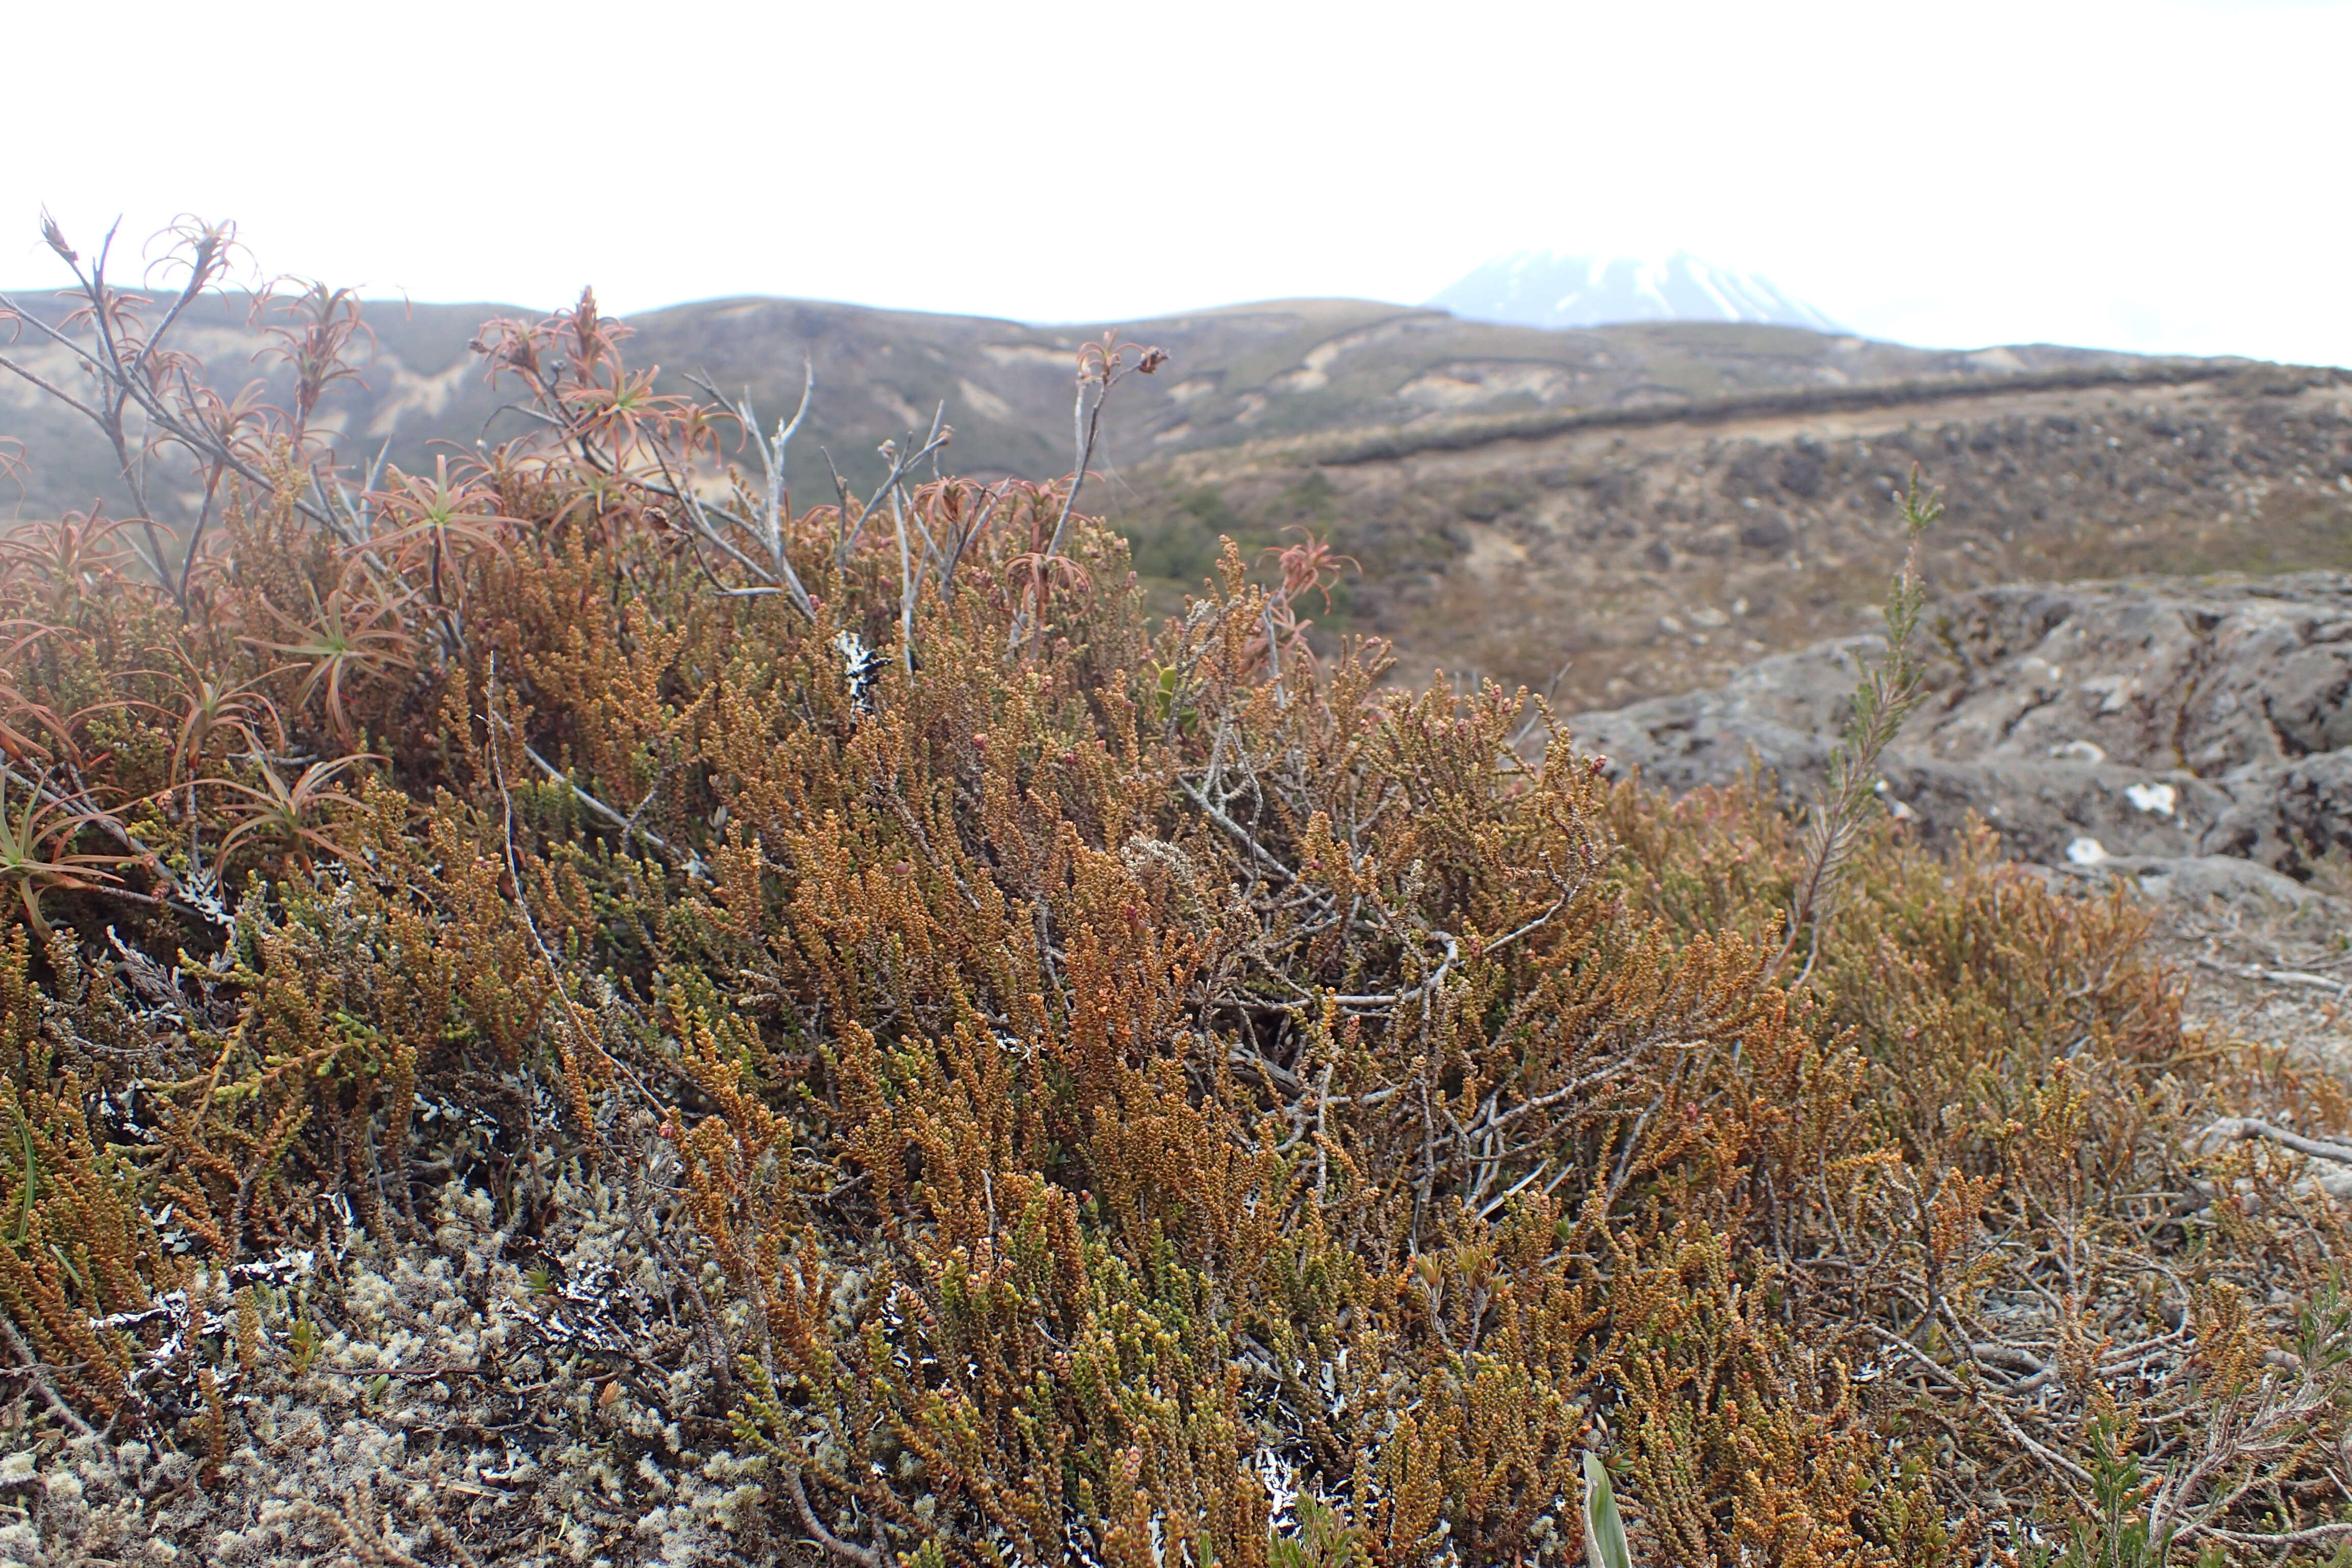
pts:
[1547, 288]
[1247, 373]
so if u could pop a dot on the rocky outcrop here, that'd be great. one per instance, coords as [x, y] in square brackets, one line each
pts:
[2158, 721]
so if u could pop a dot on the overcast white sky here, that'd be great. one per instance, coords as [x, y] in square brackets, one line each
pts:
[2151, 175]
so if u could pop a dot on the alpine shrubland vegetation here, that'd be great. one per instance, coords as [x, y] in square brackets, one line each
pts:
[572, 1008]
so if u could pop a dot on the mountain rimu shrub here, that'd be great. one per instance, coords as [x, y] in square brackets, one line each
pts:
[575, 1008]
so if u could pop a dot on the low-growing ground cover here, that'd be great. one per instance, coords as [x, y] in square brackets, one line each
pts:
[568, 1009]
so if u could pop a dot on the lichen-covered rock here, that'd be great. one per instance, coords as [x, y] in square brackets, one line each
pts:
[2159, 718]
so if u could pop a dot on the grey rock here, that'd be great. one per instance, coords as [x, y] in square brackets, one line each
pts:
[2200, 878]
[2287, 815]
[2163, 719]
[1768, 531]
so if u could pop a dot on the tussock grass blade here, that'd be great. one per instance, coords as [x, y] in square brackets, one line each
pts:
[1604, 1532]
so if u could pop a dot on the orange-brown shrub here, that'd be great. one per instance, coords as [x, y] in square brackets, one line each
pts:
[1099, 1094]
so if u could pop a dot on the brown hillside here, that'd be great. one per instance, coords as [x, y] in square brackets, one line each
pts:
[1247, 373]
[1650, 555]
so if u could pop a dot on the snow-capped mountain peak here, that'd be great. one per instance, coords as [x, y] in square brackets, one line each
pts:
[1547, 288]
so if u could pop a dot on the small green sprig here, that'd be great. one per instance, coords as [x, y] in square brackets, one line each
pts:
[1890, 691]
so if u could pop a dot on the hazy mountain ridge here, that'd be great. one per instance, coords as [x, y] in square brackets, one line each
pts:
[1240, 374]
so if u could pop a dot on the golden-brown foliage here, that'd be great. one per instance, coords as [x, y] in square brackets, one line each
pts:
[1120, 1097]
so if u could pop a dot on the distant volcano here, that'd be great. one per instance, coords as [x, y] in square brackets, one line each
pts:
[1545, 289]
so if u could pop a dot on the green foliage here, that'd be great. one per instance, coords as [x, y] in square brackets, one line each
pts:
[1604, 1532]
[1176, 550]
[1313, 498]
[1181, 546]
[1324, 1539]
[2113, 1531]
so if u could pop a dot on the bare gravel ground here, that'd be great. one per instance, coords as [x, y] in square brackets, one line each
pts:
[2281, 977]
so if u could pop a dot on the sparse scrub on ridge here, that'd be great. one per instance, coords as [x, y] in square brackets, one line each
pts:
[571, 1009]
